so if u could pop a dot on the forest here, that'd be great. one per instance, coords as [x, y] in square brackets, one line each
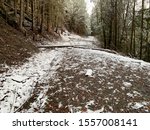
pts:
[121, 25]
[45, 15]
[74, 56]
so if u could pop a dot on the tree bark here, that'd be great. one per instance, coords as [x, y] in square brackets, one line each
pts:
[103, 27]
[27, 6]
[142, 29]
[110, 35]
[124, 29]
[21, 13]
[33, 15]
[133, 28]
[116, 25]
[15, 8]
[49, 26]
[42, 17]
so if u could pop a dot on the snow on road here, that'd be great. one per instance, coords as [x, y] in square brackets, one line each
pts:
[76, 80]
[17, 85]
[96, 81]
[74, 40]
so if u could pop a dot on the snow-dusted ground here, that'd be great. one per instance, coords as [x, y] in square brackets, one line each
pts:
[76, 80]
[74, 40]
[96, 81]
[17, 85]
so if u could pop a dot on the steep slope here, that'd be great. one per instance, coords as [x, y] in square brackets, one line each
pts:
[14, 47]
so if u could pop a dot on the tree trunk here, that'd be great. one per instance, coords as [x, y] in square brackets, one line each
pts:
[49, 26]
[27, 6]
[148, 40]
[33, 15]
[42, 17]
[110, 35]
[21, 13]
[38, 13]
[15, 8]
[103, 27]
[116, 24]
[142, 29]
[133, 27]
[124, 29]
[134, 42]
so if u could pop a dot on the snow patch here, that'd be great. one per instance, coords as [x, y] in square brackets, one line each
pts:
[130, 95]
[19, 78]
[127, 84]
[19, 83]
[117, 59]
[137, 105]
[60, 105]
[90, 103]
[89, 72]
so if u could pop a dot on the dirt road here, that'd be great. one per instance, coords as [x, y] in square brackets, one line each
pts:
[83, 80]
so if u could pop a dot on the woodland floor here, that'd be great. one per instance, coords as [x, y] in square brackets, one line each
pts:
[15, 48]
[113, 86]
[56, 80]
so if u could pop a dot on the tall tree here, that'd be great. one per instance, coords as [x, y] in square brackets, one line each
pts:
[132, 49]
[123, 26]
[33, 6]
[42, 16]
[21, 14]
[49, 26]
[27, 6]
[15, 7]
[142, 29]
[116, 24]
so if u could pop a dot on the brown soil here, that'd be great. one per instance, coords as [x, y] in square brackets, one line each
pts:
[14, 46]
[72, 88]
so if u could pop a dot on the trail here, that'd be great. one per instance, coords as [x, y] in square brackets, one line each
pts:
[72, 79]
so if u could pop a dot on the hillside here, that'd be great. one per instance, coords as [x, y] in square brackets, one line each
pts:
[79, 78]
[14, 46]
